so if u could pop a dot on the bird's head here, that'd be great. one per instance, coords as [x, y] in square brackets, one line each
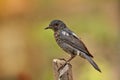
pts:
[56, 25]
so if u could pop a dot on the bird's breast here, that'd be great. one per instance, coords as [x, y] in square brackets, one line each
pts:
[57, 37]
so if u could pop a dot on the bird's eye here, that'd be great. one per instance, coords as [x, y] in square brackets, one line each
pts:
[56, 24]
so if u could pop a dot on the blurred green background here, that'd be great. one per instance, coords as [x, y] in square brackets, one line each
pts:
[27, 50]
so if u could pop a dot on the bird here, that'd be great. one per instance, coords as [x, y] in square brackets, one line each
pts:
[70, 42]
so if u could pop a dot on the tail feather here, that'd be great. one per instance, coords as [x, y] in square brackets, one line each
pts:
[92, 62]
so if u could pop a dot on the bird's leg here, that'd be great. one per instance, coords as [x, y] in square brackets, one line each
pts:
[72, 56]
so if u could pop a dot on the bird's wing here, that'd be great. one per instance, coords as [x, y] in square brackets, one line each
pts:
[71, 38]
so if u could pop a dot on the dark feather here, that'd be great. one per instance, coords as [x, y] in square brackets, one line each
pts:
[75, 42]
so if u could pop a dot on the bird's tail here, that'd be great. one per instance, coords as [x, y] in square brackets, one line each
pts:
[92, 62]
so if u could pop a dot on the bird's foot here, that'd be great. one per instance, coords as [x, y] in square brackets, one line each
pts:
[62, 67]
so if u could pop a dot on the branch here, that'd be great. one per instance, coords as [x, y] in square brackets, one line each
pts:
[64, 73]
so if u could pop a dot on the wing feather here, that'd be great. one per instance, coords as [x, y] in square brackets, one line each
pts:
[75, 42]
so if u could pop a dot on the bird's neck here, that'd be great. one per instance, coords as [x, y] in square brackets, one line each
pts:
[56, 33]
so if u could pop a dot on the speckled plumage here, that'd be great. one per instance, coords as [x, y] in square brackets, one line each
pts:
[70, 43]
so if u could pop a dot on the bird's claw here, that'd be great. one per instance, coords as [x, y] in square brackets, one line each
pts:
[62, 66]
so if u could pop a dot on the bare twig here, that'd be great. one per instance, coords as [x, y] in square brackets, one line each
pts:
[64, 73]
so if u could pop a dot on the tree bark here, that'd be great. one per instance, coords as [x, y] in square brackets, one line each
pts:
[64, 73]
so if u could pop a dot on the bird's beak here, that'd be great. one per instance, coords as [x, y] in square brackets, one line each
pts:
[49, 27]
[46, 28]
